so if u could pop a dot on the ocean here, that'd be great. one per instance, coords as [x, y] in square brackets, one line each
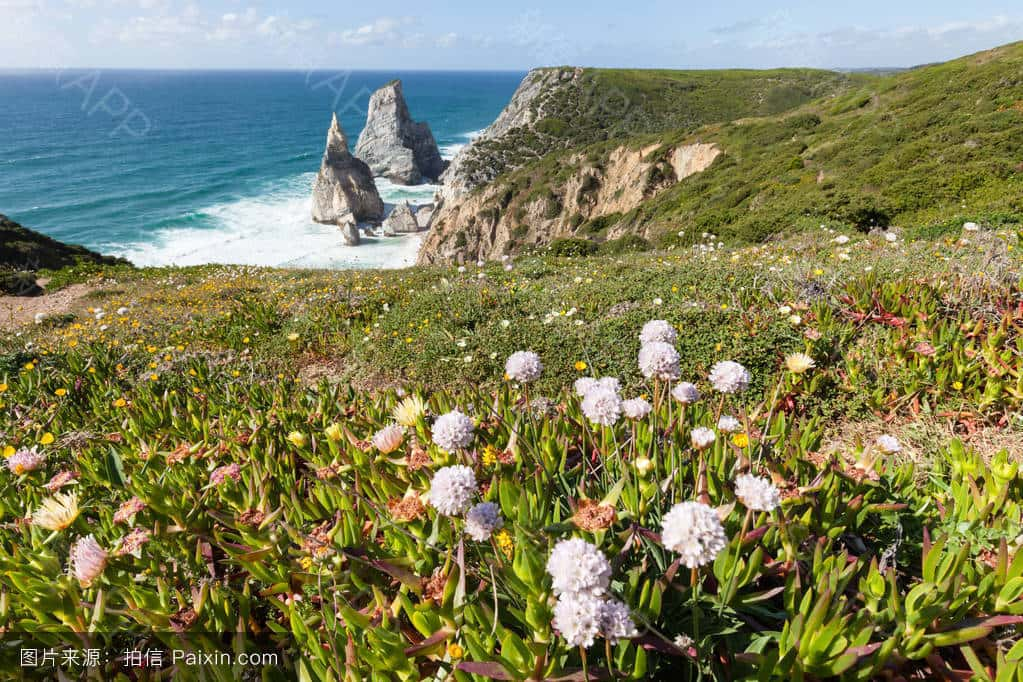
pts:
[184, 168]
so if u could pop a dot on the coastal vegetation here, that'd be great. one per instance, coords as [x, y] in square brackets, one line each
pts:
[805, 465]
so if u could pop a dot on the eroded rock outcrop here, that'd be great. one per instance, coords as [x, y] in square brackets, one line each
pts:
[402, 220]
[396, 147]
[595, 198]
[344, 191]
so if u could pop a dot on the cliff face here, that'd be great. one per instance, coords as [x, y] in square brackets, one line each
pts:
[396, 147]
[592, 201]
[344, 190]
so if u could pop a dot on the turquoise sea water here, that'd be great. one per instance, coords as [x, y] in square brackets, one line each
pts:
[193, 167]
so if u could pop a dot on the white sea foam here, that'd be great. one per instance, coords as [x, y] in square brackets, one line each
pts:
[274, 229]
[449, 151]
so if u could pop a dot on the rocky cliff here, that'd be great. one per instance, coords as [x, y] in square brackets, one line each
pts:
[344, 190]
[593, 200]
[396, 147]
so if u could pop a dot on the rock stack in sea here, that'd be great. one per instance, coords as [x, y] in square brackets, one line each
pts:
[344, 192]
[400, 149]
[402, 220]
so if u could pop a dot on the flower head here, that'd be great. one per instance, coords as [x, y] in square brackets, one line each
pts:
[702, 437]
[889, 445]
[584, 385]
[453, 431]
[57, 512]
[298, 439]
[693, 530]
[658, 330]
[231, 471]
[659, 360]
[387, 439]
[128, 509]
[452, 489]
[797, 363]
[25, 460]
[482, 520]
[409, 411]
[602, 406]
[728, 424]
[636, 408]
[685, 393]
[729, 377]
[576, 566]
[757, 493]
[523, 366]
[577, 618]
[88, 560]
[616, 621]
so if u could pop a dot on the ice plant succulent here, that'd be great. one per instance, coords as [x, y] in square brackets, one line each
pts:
[523, 367]
[451, 489]
[693, 530]
[88, 560]
[409, 411]
[388, 439]
[798, 363]
[57, 512]
[25, 460]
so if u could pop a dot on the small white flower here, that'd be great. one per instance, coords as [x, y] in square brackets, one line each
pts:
[889, 445]
[795, 320]
[636, 408]
[659, 360]
[891, 237]
[523, 366]
[757, 493]
[658, 301]
[784, 310]
[453, 431]
[729, 377]
[482, 520]
[658, 330]
[702, 437]
[505, 324]
[693, 530]
[451, 489]
[728, 424]
[686, 393]
[601, 405]
[577, 567]
[841, 239]
[578, 618]
[971, 227]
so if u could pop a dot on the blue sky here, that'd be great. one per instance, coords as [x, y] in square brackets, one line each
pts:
[483, 34]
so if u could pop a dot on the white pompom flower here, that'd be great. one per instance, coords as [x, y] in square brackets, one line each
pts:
[451, 489]
[616, 621]
[523, 366]
[658, 330]
[578, 618]
[577, 567]
[602, 406]
[482, 520]
[636, 408]
[453, 431]
[659, 360]
[757, 493]
[685, 393]
[889, 445]
[693, 530]
[729, 377]
[702, 437]
[728, 424]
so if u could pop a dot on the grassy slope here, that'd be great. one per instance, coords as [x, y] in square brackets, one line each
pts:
[615, 104]
[25, 249]
[930, 146]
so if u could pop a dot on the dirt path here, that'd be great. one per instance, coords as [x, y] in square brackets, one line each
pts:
[18, 310]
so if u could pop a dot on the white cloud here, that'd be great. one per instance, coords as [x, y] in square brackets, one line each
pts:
[383, 31]
[447, 40]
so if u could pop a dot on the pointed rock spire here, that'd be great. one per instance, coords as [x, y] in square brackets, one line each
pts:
[344, 191]
[396, 147]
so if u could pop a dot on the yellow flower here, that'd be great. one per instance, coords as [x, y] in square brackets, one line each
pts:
[957, 385]
[741, 440]
[580, 366]
[61, 392]
[57, 512]
[644, 465]
[29, 366]
[9, 451]
[455, 651]
[504, 542]
[333, 432]
[798, 363]
[120, 402]
[306, 562]
[298, 439]
[153, 377]
[293, 337]
[409, 410]
[489, 456]
[47, 438]
[3, 388]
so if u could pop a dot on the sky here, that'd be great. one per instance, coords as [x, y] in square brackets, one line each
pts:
[485, 34]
